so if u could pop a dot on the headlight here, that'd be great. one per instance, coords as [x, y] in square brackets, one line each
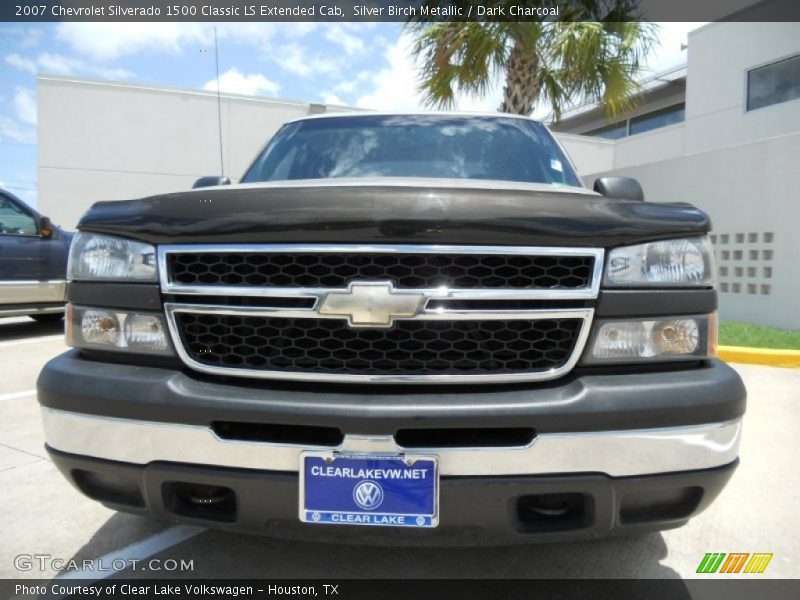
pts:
[104, 329]
[667, 338]
[95, 257]
[669, 263]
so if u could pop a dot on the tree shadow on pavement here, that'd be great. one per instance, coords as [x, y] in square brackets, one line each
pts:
[220, 554]
[12, 329]
[216, 554]
[118, 531]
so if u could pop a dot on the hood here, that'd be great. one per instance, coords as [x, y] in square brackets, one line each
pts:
[334, 211]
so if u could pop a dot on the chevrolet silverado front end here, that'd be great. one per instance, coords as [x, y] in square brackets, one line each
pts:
[423, 322]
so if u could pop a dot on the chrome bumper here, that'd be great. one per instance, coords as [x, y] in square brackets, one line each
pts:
[615, 453]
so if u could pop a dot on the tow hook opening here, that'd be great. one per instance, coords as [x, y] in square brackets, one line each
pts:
[200, 501]
[541, 513]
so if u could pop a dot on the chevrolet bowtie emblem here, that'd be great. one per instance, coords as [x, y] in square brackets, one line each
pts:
[371, 304]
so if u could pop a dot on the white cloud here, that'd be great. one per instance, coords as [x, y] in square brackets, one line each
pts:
[64, 65]
[25, 104]
[235, 82]
[58, 64]
[31, 38]
[334, 99]
[12, 131]
[109, 41]
[24, 36]
[349, 42]
[21, 63]
[487, 103]
[295, 59]
[348, 86]
[395, 86]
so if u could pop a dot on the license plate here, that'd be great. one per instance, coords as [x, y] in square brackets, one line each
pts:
[366, 489]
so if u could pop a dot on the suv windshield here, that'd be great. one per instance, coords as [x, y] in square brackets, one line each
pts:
[432, 146]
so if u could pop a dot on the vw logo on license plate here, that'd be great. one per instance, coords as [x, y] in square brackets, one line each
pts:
[368, 495]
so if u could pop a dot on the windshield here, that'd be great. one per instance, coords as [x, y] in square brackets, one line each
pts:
[431, 146]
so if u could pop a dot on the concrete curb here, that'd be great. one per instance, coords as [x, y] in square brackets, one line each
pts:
[760, 356]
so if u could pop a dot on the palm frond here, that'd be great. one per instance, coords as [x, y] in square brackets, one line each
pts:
[457, 56]
[559, 63]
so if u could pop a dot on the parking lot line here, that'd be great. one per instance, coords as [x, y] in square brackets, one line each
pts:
[15, 395]
[44, 338]
[121, 560]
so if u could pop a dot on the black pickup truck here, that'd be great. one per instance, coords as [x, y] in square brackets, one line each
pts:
[420, 323]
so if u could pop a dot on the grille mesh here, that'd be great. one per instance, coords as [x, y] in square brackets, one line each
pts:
[336, 270]
[415, 347]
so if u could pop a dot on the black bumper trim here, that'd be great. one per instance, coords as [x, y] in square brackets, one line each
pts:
[647, 303]
[128, 296]
[712, 393]
[474, 510]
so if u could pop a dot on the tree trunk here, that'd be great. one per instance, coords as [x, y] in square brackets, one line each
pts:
[522, 81]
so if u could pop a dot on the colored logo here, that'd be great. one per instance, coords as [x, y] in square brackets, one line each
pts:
[368, 495]
[734, 562]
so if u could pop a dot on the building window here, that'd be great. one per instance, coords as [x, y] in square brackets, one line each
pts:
[773, 84]
[614, 131]
[647, 122]
[659, 118]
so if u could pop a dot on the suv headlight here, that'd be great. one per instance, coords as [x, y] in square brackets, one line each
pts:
[96, 257]
[686, 262]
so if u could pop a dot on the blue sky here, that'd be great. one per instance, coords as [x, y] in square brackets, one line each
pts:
[365, 65]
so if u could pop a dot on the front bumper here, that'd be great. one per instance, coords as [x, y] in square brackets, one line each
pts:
[615, 453]
[629, 452]
[473, 510]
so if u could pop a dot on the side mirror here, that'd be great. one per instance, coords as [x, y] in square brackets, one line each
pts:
[623, 188]
[211, 181]
[45, 227]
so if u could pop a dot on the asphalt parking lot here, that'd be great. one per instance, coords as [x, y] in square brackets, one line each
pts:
[43, 515]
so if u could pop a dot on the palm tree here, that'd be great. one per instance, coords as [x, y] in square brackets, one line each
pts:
[558, 63]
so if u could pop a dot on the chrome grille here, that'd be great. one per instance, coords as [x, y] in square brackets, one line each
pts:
[275, 311]
[412, 271]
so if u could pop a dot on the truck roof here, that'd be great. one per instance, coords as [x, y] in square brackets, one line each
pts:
[433, 113]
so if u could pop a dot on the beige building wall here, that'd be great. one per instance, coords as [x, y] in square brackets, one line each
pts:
[116, 141]
[719, 57]
[751, 193]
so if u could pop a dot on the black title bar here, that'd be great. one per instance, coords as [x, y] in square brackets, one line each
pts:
[397, 10]
[400, 589]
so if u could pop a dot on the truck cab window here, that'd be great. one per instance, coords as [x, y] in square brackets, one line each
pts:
[14, 220]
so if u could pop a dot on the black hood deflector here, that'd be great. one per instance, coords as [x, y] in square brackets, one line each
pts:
[392, 214]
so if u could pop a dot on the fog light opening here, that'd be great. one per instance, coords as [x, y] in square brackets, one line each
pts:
[543, 513]
[200, 501]
[205, 495]
[555, 507]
